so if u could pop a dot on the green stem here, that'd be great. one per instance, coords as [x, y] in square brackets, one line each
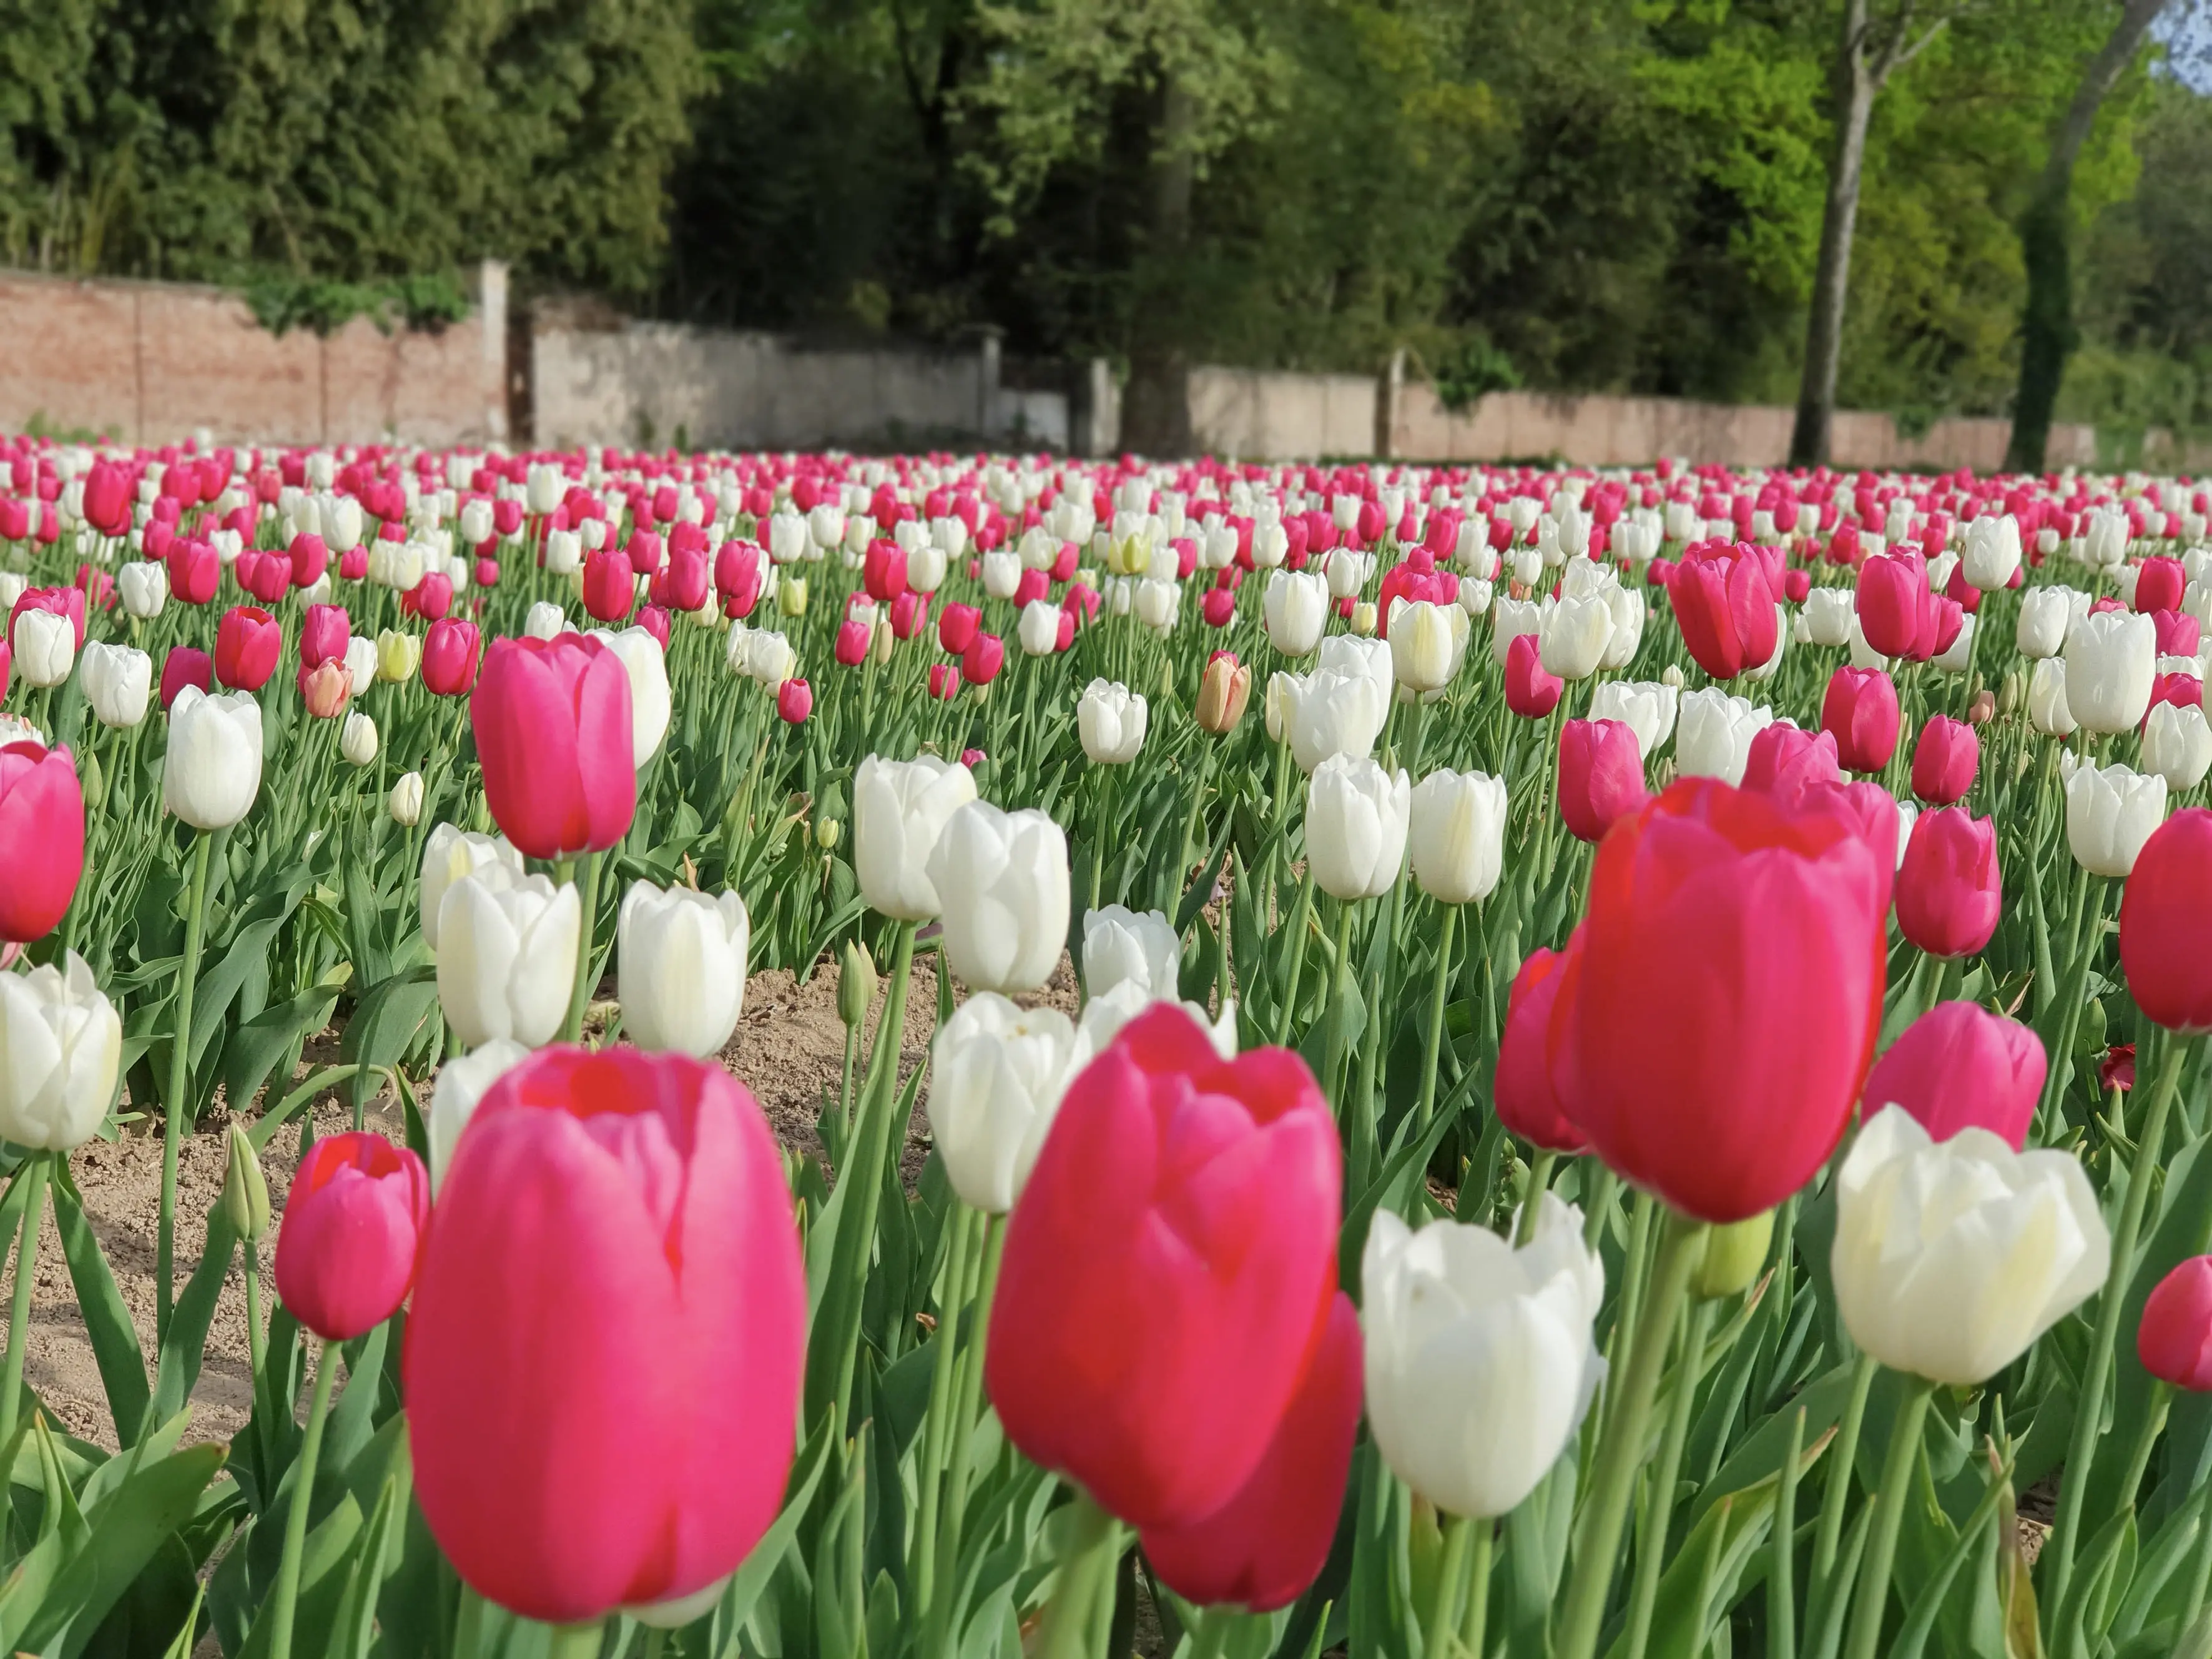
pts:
[2089, 1407]
[936, 1425]
[1836, 1496]
[1451, 1572]
[572, 1029]
[1597, 1548]
[2153, 1424]
[2200, 1568]
[953, 1521]
[19, 1312]
[1210, 1634]
[257, 1343]
[1297, 936]
[1540, 1182]
[174, 1102]
[1440, 984]
[1475, 1623]
[1087, 1570]
[1659, 1495]
[1782, 1565]
[575, 1641]
[1889, 1519]
[1339, 1005]
[287, 1599]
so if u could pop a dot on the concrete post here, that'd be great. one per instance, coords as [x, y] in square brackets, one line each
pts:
[491, 326]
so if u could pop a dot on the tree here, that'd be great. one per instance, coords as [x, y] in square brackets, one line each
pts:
[1869, 50]
[2048, 335]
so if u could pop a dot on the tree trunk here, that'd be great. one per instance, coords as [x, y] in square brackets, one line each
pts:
[1156, 404]
[1823, 328]
[2047, 332]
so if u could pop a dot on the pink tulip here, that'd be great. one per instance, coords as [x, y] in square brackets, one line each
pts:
[552, 725]
[1950, 891]
[1958, 1066]
[346, 1251]
[41, 839]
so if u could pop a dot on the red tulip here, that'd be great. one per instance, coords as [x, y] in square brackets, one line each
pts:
[1944, 760]
[1716, 1022]
[1522, 1091]
[41, 839]
[2160, 584]
[1893, 592]
[610, 584]
[353, 1223]
[1169, 1271]
[1531, 691]
[310, 557]
[681, 583]
[2166, 916]
[909, 615]
[1941, 621]
[430, 598]
[944, 680]
[1600, 775]
[1785, 763]
[1219, 607]
[1960, 1066]
[185, 667]
[956, 627]
[737, 578]
[1724, 606]
[644, 553]
[604, 1358]
[1950, 890]
[324, 634]
[794, 702]
[107, 493]
[552, 725]
[981, 661]
[449, 657]
[1860, 712]
[266, 577]
[853, 638]
[2174, 1341]
[353, 564]
[654, 621]
[247, 643]
[1261, 1549]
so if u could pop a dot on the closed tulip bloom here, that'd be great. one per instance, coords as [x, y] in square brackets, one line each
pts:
[1206, 1194]
[61, 1048]
[644, 659]
[1110, 719]
[45, 647]
[1330, 713]
[1002, 878]
[2047, 700]
[1480, 1360]
[353, 1224]
[450, 651]
[1958, 1066]
[144, 587]
[1039, 629]
[357, 739]
[212, 771]
[1827, 617]
[2158, 585]
[325, 688]
[1508, 620]
[1950, 891]
[1523, 1091]
[1601, 776]
[1951, 1257]
[450, 852]
[398, 655]
[1426, 644]
[1532, 692]
[980, 662]
[195, 570]
[1860, 712]
[1991, 555]
[555, 736]
[681, 956]
[506, 956]
[1727, 612]
[1295, 608]
[900, 809]
[1892, 593]
[42, 830]
[2164, 916]
[1456, 834]
[2045, 614]
[2174, 1339]
[1223, 690]
[1789, 764]
[461, 1085]
[610, 584]
[2177, 744]
[1761, 927]
[184, 667]
[613, 1249]
[996, 1075]
[1572, 636]
[324, 636]
[1944, 761]
[1647, 708]
[248, 643]
[1121, 946]
[2111, 659]
[1357, 818]
[405, 800]
[1713, 734]
[2110, 814]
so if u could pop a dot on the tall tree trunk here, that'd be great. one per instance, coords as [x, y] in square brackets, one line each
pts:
[1155, 405]
[2047, 332]
[1823, 328]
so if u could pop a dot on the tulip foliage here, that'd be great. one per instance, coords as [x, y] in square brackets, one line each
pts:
[1453, 1063]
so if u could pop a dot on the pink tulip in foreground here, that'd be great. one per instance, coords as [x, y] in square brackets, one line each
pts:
[346, 1251]
[603, 1358]
[41, 839]
[552, 725]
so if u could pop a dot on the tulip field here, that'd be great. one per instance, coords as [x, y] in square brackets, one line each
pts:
[1544, 1063]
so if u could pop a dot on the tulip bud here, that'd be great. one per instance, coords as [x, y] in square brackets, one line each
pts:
[681, 956]
[1223, 691]
[1734, 1254]
[856, 984]
[1111, 721]
[94, 783]
[357, 739]
[245, 1189]
[407, 800]
[396, 656]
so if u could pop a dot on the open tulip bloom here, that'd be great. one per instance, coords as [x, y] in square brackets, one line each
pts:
[1518, 1145]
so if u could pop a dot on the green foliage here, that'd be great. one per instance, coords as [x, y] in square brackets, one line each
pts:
[424, 302]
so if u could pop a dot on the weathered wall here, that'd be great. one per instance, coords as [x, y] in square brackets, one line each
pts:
[152, 362]
[1259, 413]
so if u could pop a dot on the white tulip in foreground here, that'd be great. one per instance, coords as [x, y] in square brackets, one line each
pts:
[1003, 880]
[681, 955]
[1479, 1359]
[506, 956]
[1457, 832]
[1110, 719]
[899, 811]
[212, 771]
[1122, 947]
[461, 1084]
[2110, 814]
[996, 1074]
[1356, 825]
[61, 1044]
[450, 852]
[1951, 1257]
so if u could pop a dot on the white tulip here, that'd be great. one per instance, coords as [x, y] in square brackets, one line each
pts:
[1357, 820]
[900, 809]
[564, 552]
[996, 1076]
[405, 801]
[45, 647]
[1110, 719]
[1329, 713]
[212, 771]
[1040, 628]
[1347, 572]
[2045, 614]
[462, 1084]
[1121, 946]
[1960, 656]
[2177, 744]
[1827, 617]
[1952, 1257]
[2110, 814]
[1646, 708]
[543, 621]
[143, 585]
[1426, 644]
[357, 739]
[1004, 883]
[1156, 600]
[450, 852]
[1295, 607]
[1627, 609]
[924, 567]
[1002, 573]
[787, 535]
[1474, 596]
[118, 683]
[1108, 1010]
[2046, 699]
[649, 703]
[1863, 654]
[61, 1047]
[1509, 619]
[1713, 734]
[1992, 551]
[506, 956]
[1456, 833]
[2111, 659]
[681, 956]
[1480, 1357]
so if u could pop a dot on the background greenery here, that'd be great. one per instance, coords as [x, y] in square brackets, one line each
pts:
[1572, 194]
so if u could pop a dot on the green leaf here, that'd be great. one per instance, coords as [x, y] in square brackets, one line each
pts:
[752, 1578]
[260, 1044]
[386, 1023]
[179, 1366]
[107, 1318]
